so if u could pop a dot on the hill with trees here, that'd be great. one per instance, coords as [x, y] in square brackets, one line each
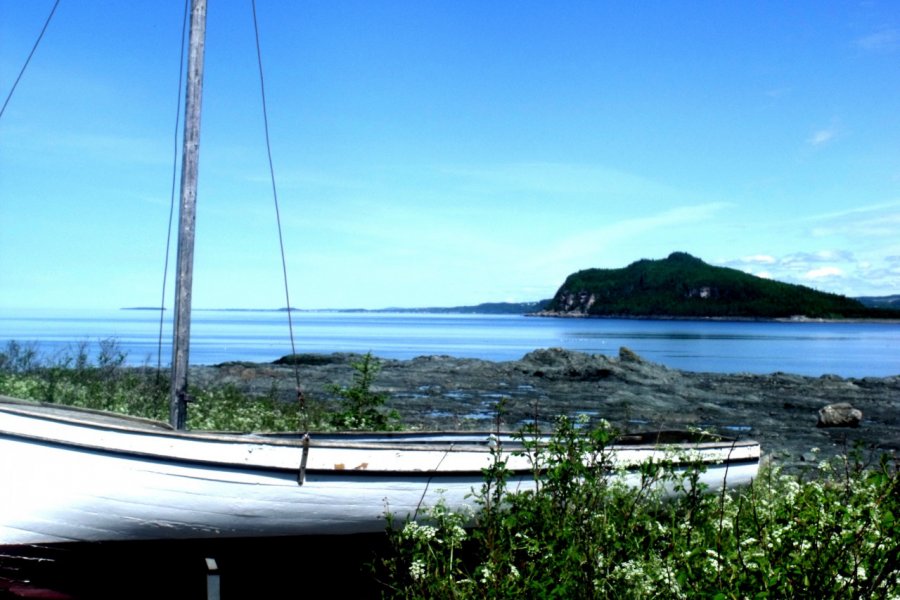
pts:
[684, 286]
[892, 302]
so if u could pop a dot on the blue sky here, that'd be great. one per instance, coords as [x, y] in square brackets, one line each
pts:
[446, 153]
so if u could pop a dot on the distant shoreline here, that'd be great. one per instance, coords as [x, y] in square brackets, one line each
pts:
[472, 310]
[794, 319]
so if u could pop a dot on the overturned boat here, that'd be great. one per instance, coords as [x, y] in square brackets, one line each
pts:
[77, 475]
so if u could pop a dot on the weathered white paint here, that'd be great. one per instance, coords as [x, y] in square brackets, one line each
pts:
[75, 475]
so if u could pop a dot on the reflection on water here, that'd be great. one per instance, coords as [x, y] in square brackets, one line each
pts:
[809, 348]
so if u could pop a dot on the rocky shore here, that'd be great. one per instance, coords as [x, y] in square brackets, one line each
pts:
[440, 392]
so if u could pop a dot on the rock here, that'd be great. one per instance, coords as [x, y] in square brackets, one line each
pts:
[629, 355]
[557, 363]
[841, 414]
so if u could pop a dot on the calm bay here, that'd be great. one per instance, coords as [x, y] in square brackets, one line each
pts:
[848, 349]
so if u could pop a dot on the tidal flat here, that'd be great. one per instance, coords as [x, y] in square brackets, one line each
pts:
[780, 410]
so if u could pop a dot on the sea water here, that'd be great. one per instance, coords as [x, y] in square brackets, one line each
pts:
[848, 349]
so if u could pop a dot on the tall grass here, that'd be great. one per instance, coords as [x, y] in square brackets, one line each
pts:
[76, 378]
[98, 378]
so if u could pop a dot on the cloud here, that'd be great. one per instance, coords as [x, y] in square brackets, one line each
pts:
[777, 92]
[758, 259]
[565, 179]
[586, 245]
[855, 211]
[866, 222]
[78, 146]
[821, 256]
[749, 264]
[823, 136]
[871, 271]
[823, 273]
[797, 266]
[886, 40]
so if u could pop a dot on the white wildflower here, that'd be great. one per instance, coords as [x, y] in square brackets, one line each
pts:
[409, 530]
[628, 570]
[457, 534]
[417, 569]
[713, 558]
[487, 576]
[422, 533]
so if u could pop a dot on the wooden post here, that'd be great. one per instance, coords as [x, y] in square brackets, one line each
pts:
[187, 217]
[213, 580]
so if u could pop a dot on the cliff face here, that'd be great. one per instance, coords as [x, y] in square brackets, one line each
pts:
[684, 286]
[574, 302]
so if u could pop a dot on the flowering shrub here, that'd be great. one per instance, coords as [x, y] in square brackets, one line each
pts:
[582, 534]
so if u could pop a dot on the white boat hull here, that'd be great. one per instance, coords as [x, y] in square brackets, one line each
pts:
[69, 475]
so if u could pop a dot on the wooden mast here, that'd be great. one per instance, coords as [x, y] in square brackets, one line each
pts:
[187, 217]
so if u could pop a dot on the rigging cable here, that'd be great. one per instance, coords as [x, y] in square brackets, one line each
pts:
[287, 296]
[162, 304]
[28, 60]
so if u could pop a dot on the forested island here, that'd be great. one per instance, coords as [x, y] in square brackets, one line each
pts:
[684, 286]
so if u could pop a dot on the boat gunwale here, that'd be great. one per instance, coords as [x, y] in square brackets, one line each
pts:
[749, 449]
[342, 472]
[393, 440]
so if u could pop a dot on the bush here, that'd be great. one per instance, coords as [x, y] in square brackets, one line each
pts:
[226, 408]
[361, 408]
[583, 535]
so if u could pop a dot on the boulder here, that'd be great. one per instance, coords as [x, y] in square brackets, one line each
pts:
[840, 414]
[629, 355]
[557, 363]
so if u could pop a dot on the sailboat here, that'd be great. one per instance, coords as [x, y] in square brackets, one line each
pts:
[77, 475]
